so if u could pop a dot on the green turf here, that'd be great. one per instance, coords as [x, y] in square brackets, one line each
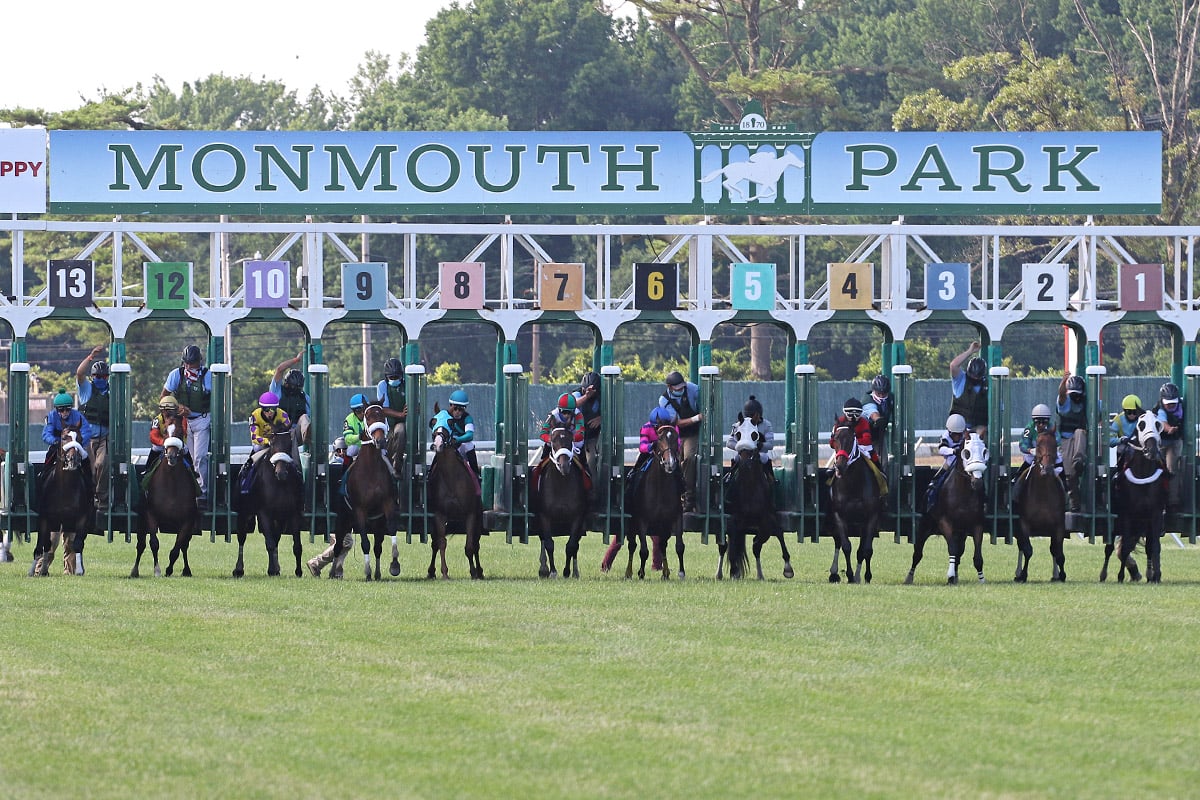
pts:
[516, 687]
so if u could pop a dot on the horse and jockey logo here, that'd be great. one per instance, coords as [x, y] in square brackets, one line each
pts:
[756, 178]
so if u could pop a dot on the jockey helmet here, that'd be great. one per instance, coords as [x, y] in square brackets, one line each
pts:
[1169, 394]
[752, 408]
[956, 423]
[62, 401]
[881, 385]
[294, 379]
[852, 408]
[459, 398]
[566, 401]
[976, 369]
[268, 400]
[1131, 402]
[339, 443]
[674, 378]
[1041, 412]
[590, 379]
[663, 415]
[168, 403]
[100, 369]
[358, 402]
[191, 355]
[392, 368]
[1076, 386]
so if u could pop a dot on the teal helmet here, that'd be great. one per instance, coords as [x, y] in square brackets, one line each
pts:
[358, 401]
[63, 400]
[459, 398]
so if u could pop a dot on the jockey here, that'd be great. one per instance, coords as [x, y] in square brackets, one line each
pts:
[65, 418]
[169, 424]
[953, 439]
[1170, 413]
[354, 428]
[753, 411]
[265, 421]
[1072, 433]
[462, 428]
[1124, 427]
[852, 418]
[565, 415]
[1039, 423]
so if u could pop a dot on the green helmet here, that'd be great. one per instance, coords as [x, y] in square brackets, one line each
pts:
[63, 400]
[1131, 403]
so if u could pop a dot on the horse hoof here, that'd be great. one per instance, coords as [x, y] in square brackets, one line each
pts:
[187, 573]
[134, 574]
[681, 574]
[867, 577]
[8, 557]
[394, 569]
[157, 572]
[952, 580]
[170, 571]
[981, 579]
[543, 573]
[237, 573]
[908, 579]
[835, 578]
[788, 572]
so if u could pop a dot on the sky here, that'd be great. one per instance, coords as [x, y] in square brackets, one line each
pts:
[56, 53]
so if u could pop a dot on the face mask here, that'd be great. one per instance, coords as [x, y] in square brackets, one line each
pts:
[394, 384]
[100, 384]
[675, 392]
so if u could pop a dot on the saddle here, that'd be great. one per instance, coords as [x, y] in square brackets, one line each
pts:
[540, 467]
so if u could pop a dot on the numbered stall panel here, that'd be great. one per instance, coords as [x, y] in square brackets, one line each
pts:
[655, 286]
[168, 284]
[461, 285]
[1140, 287]
[752, 286]
[1046, 286]
[947, 286]
[268, 284]
[851, 286]
[364, 285]
[560, 287]
[71, 283]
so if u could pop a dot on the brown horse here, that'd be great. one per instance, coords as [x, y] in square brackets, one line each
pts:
[656, 507]
[561, 503]
[65, 509]
[958, 512]
[1043, 509]
[454, 499]
[753, 508]
[275, 503]
[169, 506]
[1140, 498]
[853, 506]
[371, 495]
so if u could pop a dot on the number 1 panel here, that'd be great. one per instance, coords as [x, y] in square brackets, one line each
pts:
[1140, 287]
[364, 285]
[168, 284]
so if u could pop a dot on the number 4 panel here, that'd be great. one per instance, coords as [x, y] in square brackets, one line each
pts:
[851, 286]
[168, 284]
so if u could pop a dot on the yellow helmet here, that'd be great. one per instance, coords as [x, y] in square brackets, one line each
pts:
[1131, 403]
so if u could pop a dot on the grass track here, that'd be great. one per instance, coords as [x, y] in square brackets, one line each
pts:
[212, 687]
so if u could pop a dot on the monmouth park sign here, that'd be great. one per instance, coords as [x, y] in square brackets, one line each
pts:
[747, 170]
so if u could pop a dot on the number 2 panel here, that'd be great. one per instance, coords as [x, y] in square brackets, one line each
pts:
[1140, 287]
[1046, 286]
[560, 287]
[364, 286]
[460, 285]
[168, 284]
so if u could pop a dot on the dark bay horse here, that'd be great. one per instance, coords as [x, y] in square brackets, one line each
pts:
[65, 508]
[371, 495]
[853, 506]
[753, 499]
[1043, 509]
[656, 504]
[958, 512]
[454, 499]
[1141, 498]
[276, 503]
[169, 506]
[561, 503]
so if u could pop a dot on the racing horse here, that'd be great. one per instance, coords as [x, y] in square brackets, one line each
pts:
[275, 502]
[958, 512]
[1141, 498]
[656, 504]
[753, 507]
[169, 505]
[560, 500]
[1043, 509]
[371, 495]
[854, 505]
[454, 498]
[65, 508]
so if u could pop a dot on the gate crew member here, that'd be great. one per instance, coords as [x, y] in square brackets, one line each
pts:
[879, 409]
[587, 400]
[1039, 423]
[389, 394]
[288, 385]
[970, 389]
[1072, 433]
[191, 385]
[91, 388]
[1170, 413]
[684, 398]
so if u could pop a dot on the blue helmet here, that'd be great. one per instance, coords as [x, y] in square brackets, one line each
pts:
[663, 415]
[459, 398]
[358, 401]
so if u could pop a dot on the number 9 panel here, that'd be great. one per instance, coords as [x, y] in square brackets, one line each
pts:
[364, 285]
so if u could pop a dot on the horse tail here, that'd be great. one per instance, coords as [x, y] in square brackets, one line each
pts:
[712, 176]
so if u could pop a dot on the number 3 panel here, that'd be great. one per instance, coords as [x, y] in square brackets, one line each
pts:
[460, 285]
[560, 287]
[1140, 287]
[1046, 286]
[947, 286]
[364, 285]
[851, 286]
[168, 284]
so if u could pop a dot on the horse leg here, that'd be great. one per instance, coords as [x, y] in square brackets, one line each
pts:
[721, 548]
[174, 554]
[1108, 551]
[978, 560]
[77, 544]
[866, 549]
[141, 548]
[1059, 557]
[297, 551]
[757, 546]
[679, 548]
[610, 555]
[547, 569]
[629, 567]
[379, 555]
[394, 568]
[788, 572]
[271, 539]
[644, 552]
[572, 557]
[923, 531]
[955, 547]
[6, 547]
[1129, 541]
[154, 551]
[1153, 557]
[187, 541]
[239, 569]
[364, 543]
[474, 537]
[1024, 555]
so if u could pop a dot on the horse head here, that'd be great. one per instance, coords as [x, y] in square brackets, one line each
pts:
[746, 436]
[281, 457]
[1045, 453]
[974, 458]
[561, 444]
[845, 449]
[666, 448]
[172, 447]
[72, 451]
